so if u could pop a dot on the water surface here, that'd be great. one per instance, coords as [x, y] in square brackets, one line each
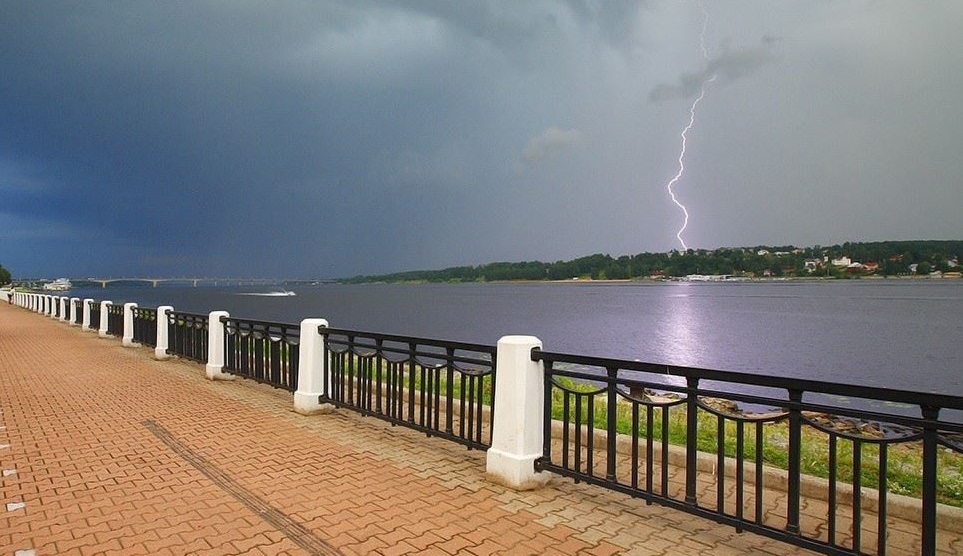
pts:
[892, 333]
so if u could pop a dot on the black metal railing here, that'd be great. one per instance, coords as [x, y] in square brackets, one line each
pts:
[263, 351]
[115, 320]
[615, 422]
[55, 301]
[438, 387]
[78, 311]
[187, 335]
[95, 316]
[145, 326]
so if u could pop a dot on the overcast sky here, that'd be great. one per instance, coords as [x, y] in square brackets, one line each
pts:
[325, 139]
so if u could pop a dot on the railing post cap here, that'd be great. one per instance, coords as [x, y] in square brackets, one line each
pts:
[314, 322]
[519, 341]
[130, 304]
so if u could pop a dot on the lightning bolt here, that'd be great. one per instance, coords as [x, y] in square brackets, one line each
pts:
[685, 131]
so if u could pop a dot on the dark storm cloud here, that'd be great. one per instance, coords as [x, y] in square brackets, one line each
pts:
[729, 67]
[332, 138]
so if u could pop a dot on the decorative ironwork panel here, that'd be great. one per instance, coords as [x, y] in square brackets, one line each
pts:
[439, 387]
[263, 351]
[78, 311]
[95, 316]
[187, 335]
[752, 451]
[115, 320]
[145, 326]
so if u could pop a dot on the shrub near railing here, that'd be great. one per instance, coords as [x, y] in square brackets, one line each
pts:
[145, 326]
[788, 426]
[263, 351]
[439, 387]
[187, 335]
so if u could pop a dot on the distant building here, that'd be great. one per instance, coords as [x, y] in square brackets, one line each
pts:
[762, 252]
[842, 261]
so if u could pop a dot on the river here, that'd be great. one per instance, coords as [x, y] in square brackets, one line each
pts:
[904, 334]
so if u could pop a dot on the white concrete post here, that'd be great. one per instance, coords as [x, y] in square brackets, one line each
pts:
[85, 324]
[160, 352]
[215, 347]
[63, 308]
[104, 305]
[73, 310]
[127, 340]
[51, 305]
[517, 431]
[312, 363]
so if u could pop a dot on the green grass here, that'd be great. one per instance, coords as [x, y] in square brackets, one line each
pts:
[904, 460]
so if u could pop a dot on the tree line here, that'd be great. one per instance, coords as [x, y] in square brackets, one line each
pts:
[892, 258]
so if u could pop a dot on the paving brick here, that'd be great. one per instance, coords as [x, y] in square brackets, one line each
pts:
[98, 481]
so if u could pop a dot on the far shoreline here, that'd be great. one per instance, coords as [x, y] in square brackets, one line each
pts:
[658, 281]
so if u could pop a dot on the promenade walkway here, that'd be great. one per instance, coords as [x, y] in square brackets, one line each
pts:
[106, 451]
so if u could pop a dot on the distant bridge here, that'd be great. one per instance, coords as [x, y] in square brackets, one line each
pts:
[199, 281]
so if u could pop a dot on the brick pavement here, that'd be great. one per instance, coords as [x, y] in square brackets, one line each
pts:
[111, 452]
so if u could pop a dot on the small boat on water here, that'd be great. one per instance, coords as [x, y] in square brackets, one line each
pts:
[58, 285]
[280, 293]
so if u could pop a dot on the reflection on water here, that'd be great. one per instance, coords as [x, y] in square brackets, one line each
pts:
[680, 339]
[888, 333]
